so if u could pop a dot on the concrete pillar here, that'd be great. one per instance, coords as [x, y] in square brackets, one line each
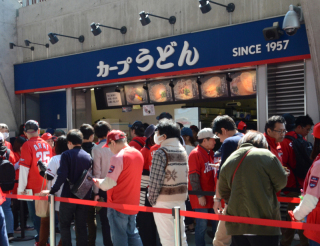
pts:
[311, 12]
[69, 108]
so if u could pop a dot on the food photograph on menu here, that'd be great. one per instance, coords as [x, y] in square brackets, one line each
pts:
[213, 86]
[135, 94]
[186, 89]
[160, 91]
[243, 83]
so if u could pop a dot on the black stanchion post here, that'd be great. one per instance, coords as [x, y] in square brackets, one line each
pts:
[22, 223]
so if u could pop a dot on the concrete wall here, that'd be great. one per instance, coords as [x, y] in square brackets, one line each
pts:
[10, 103]
[73, 18]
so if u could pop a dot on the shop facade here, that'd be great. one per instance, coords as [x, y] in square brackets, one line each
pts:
[195, 77]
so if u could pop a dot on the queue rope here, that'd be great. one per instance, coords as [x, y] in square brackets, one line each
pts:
[227, 218]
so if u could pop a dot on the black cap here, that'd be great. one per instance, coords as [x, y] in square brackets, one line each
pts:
[149, 131]
[31, 126]
[164, 115]
[136, 125]
[290, 122]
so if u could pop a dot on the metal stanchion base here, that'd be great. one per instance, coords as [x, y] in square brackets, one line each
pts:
[21, 239]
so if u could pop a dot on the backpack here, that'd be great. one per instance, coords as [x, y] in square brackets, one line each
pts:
[7, 174]
[302, 150]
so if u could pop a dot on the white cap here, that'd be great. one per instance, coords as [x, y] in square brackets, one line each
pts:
[1, 138]
[206, 133]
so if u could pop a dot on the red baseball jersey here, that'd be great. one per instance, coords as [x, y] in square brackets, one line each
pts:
[199, 163]
[126, 169]
[32, 151]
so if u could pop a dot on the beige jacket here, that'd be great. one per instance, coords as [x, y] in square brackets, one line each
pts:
[101, 162]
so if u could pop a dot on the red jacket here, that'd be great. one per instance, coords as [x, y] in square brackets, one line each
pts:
[274, 147]
[289, 160]
[138, 142]
[199, 163]
[145, 151]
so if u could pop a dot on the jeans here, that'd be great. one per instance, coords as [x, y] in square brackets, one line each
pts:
[123, 229]
[6, 206]
[105, 226]
[3, 231]
[313, 243]
[35, 219]
[201, 227]
[80, 212]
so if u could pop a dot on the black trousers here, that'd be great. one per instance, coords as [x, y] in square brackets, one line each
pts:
[105, 226]
[16, 212]
[67, 210]
[255, 240]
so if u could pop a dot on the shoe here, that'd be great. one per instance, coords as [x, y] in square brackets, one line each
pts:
[57, 230]
[296, 237]
[210, 234]
[10, 236]
[36, 244]
[28, 228]
[191, 231]
[17, 230]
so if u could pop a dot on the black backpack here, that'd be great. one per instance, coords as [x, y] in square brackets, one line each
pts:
[302, 150]
[7, 174]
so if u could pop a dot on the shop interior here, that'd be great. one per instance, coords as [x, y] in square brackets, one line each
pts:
[192, 100]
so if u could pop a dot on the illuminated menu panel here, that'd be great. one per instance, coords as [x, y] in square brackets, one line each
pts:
[243, 83]
[135, 94]
[186, 89]
[160, 91]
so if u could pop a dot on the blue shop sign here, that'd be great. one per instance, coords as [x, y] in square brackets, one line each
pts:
[220, 48]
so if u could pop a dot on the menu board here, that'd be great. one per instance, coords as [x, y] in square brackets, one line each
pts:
[243, 83]
[114, 99]
[135, 94]
[186, 89]
[160, 91]
[214, 86]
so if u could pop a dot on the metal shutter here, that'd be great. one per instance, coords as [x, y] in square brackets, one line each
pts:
[286, 88]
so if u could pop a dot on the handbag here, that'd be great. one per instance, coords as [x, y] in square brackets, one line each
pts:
[81, 188]
[241, 162]
[42, 206]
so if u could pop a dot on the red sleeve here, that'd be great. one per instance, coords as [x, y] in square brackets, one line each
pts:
[146, 154]
[12, 158]
[288, 155]
[194, 161]
[8, 144]
[26, 156]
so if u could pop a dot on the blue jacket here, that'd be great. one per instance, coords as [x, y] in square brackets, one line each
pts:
[73, 163]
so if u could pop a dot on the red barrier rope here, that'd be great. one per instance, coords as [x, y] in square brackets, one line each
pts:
[227, 218]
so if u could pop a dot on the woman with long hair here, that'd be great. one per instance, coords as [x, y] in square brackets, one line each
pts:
[310, 205]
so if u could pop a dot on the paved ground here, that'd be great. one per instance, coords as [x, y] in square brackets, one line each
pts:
[190, 238]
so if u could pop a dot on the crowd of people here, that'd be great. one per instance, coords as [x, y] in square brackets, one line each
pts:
[245, 169]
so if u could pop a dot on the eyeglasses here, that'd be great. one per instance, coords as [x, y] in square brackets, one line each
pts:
[281, 132]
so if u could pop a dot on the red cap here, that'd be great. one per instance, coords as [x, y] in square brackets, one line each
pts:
[46, 136]
[316, 130]
[114, 135]
[242, 126]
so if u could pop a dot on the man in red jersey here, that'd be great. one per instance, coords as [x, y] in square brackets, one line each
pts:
[32, 151]
[201, 178]
[123, 186]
